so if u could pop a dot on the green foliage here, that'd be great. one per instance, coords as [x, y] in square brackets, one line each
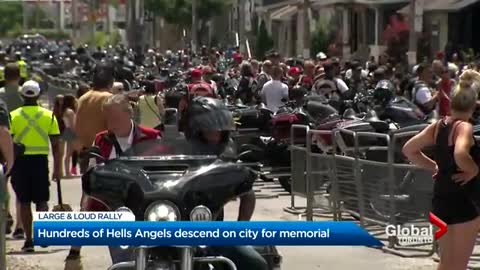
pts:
[180, 11]
[11, 16]
[103, 39]
[39, 19]
[320, 39]
[264, 42]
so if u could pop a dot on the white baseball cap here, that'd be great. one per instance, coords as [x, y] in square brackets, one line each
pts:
[322, 56]
[30, 89]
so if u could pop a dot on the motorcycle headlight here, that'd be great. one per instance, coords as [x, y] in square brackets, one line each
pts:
[125, 210]
[162, 211]
[200, 213]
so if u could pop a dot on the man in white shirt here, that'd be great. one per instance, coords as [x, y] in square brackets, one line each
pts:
[275, 93]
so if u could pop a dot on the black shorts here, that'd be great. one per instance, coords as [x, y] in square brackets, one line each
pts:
[30, 179]
[454, 209]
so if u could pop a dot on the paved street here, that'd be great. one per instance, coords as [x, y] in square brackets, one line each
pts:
[299, 258]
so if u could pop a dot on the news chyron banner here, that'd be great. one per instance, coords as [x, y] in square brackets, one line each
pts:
[121, 229]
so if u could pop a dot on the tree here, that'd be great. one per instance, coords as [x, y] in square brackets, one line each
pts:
[11, 15]
[179, 12]
[264, 41]
[320, 38]
[39, 19]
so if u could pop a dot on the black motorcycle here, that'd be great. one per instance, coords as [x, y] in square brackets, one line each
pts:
[158, 183]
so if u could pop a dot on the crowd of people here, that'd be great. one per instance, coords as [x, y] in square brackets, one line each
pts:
[104, 109]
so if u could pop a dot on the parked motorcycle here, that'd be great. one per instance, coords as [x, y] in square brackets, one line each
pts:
[272, 153]
[158, 183]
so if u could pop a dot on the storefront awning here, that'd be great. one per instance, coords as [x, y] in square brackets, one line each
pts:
[285, 13]
[442, 5]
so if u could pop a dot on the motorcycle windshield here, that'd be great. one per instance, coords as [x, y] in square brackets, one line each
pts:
[171, 148]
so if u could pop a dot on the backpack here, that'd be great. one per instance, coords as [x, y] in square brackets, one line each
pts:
[200, 89]
[326, 88]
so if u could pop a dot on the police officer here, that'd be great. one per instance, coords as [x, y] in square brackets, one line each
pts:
[23, 67]
[35, 128]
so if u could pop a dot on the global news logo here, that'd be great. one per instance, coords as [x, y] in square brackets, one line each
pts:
[414, 235]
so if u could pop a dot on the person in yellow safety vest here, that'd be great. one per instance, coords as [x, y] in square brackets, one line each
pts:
[2, 74]
[35, 128]
[23, 67]
[3, 63]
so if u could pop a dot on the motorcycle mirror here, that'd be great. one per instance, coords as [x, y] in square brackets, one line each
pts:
[94, 152]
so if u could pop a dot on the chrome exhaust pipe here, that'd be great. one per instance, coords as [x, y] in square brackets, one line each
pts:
[186, 262]
[141, 258]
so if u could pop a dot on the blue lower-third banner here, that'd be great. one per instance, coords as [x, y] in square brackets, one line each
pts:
[202, 233]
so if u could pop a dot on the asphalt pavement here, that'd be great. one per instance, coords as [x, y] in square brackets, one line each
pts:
[270, 208]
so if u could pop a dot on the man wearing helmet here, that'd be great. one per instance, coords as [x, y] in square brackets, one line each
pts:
[210, 123]
[384, 93]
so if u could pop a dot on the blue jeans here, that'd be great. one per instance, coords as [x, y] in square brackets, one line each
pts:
[121, 255]
[244, 257]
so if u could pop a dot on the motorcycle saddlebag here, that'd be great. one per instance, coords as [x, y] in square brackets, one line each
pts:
[282, 124]
[252, 118]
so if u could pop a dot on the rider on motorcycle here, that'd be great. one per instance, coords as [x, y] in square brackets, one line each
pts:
[210, 123]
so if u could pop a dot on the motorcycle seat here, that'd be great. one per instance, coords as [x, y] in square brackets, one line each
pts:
[319, 111]
[372, 118]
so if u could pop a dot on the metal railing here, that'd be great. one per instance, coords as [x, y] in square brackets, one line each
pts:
[368, 181]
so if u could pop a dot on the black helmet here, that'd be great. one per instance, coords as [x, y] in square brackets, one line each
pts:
[209, 114]
[298, 92]
[384, 92]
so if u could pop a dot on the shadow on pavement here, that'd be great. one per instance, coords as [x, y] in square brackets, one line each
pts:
[46, 252]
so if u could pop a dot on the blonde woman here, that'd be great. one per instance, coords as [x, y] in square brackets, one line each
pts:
[456, 198]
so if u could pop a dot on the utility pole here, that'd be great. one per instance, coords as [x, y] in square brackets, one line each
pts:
[194, 26]
[93, 21]
[412, 44]
[306, 30]
[241, 24]
[61, 17]
[74, 20]
[26, 10]
[131, 20]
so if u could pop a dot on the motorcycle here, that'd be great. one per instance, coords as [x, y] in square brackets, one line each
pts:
[159, 183]
[271, 153]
